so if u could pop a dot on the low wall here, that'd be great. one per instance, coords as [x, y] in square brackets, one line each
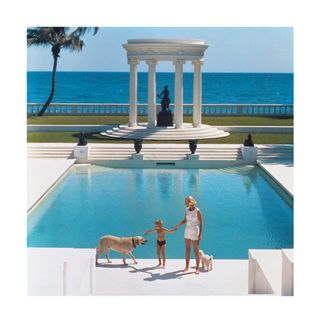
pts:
[69, 128]
[86, 109]
[258, 129]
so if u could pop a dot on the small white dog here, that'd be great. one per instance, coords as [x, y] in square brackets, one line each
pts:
[206, 260]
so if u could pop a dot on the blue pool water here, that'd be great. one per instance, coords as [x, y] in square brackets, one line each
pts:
[241, 208]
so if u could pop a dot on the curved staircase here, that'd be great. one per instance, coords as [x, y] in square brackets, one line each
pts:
[165, 133]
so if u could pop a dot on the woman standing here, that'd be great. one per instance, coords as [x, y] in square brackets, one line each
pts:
[193, 230]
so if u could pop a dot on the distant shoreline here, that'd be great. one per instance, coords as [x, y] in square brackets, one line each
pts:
[171, 72]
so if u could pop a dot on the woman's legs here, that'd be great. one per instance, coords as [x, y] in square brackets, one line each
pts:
[188, 245]
[196, 249]
[163, 250]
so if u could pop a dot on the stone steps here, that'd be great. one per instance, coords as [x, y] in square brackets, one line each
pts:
[49, 156]
[169, 131]
[165, 133]
[114, 153]
[164, 153]
[50, 152]
[187, 151]
[163, 138]
[160, 152]
[275, 154]
[274, 157]
[266, 152]
[182, 150]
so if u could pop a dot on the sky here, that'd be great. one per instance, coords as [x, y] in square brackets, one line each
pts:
[234, 49]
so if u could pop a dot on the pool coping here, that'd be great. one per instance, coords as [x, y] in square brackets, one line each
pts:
[42, 194]
[282, 183]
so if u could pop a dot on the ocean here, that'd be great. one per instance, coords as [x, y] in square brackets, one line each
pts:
[113, 87]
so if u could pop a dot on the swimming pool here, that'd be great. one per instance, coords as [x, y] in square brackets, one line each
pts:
[241, 206]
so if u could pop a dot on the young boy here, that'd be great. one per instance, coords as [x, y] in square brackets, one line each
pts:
[161, 242]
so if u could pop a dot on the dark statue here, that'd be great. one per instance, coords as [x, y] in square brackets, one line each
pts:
[193, 145]
[164, 118]
[82, 140]
[165, 102]
[138, 145]
[248, 142]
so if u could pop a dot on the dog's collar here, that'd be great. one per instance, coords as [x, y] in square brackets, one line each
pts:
[134, 245]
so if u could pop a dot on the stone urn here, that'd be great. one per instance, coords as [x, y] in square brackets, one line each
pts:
[193, 145]
[138, 145]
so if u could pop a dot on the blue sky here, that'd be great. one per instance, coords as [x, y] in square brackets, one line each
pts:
[233, 49]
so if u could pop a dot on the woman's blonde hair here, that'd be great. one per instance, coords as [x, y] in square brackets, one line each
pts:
[158, 221]
[191, 199]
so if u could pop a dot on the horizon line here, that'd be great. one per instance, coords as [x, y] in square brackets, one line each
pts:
[248, 72]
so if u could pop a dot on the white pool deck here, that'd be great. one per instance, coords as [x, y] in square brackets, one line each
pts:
[64, 271]
[70, 272]
[43, 173]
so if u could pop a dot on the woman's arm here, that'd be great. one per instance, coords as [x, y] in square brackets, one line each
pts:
[199, 215]
[149, 231]
[182, 222]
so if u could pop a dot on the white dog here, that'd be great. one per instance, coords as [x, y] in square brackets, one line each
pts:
[206, 260]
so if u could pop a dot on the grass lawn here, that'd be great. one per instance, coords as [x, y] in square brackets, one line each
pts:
[224, 121]
[234, 138]
[259, 138]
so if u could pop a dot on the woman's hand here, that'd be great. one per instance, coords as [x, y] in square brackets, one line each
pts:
[199, 237]
[177, 226]
[146, 233]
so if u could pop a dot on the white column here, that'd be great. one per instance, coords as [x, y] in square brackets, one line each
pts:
[133, 93]
[152, 93]
[197, 93]
[178, 93]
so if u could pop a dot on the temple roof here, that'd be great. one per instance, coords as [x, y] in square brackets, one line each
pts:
[165, 49]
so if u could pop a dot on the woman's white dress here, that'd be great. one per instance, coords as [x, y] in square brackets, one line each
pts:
[192, 227]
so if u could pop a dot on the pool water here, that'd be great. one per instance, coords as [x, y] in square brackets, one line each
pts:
[242, 209]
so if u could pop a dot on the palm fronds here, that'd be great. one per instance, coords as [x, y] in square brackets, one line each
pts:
[58, 38]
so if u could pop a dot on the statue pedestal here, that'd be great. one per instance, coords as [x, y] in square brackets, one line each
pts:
[249, 154]
[194, 156]
[81, 153]
[165, 119]
[137, 156]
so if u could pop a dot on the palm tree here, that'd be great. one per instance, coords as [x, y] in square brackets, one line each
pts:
[58, 38]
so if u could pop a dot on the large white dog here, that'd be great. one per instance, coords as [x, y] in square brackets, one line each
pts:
[123, 245]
